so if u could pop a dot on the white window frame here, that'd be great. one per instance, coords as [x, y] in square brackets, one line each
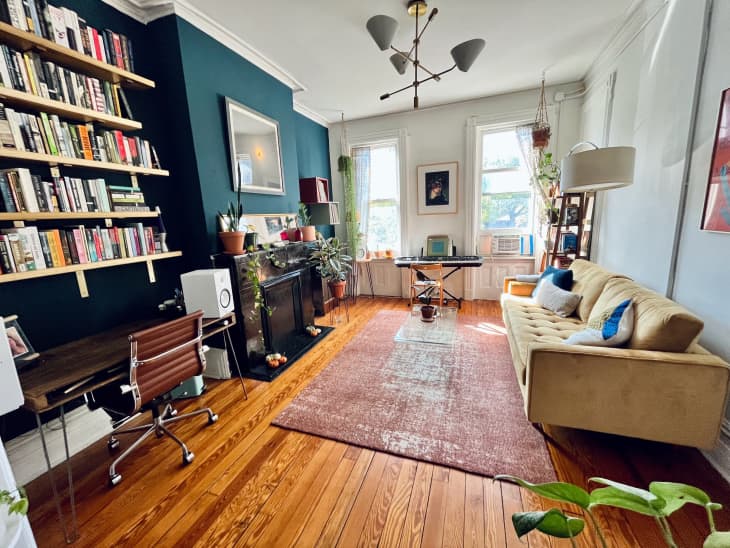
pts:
[399, 138]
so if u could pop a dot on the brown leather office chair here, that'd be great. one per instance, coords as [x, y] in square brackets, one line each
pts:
[161, 358]
[427, 278]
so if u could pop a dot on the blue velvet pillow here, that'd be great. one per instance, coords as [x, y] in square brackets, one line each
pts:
[562, 278]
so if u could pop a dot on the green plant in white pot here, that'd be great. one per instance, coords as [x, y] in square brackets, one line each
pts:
[332, 264]
[13, 506]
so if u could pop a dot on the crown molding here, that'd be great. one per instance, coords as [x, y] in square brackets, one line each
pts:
[146, 11]
[639, 15]
[311, 114]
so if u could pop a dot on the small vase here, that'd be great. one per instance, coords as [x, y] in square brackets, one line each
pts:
[232, 242]
[337, 288]
[163, 242]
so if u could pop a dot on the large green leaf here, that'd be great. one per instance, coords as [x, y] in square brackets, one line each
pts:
[560, 491]
[612, 496]
[552, 522]
[718, 539]
[677, 495]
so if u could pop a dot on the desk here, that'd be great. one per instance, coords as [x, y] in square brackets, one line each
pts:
[455, 262]
[69, 371]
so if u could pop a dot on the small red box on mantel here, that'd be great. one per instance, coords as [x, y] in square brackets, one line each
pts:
[314, 190]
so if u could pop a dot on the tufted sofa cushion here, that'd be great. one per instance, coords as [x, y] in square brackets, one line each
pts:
[659, 324]
[528, 322]
[589, 279]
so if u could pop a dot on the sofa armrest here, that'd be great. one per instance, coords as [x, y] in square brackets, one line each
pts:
[513, 287]
[664, 396]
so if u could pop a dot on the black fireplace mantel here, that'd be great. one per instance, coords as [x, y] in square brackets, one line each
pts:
[287, 279]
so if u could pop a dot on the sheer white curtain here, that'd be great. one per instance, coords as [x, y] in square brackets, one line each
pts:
[361, 165]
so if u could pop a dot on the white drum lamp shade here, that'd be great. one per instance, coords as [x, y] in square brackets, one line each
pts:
[597, 169]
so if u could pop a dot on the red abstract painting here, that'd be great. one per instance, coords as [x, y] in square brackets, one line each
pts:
[716, 216]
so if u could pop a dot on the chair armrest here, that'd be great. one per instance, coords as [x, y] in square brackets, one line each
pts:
[513, 287]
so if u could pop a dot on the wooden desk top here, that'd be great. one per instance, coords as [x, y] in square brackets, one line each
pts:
[90, 362]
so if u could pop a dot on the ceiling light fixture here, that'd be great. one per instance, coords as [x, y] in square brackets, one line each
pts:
[383, 28]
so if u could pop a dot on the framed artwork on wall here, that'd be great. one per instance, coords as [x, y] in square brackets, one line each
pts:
[268, 226]
[438, 186]
[716, 213]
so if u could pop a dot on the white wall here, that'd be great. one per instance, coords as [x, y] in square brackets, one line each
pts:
[439, 134]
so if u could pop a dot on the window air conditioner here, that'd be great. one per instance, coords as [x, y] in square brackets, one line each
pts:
[506, 244]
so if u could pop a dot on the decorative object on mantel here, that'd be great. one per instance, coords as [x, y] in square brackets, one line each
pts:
[716, 213]
[308, 231]
[332, 264]
[383, 28]
[541, 127]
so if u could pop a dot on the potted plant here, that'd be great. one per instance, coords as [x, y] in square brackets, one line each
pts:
[332, 264]
[428, 311]
[231, 236]
[12, 509]
[305, 224]
[291, 229]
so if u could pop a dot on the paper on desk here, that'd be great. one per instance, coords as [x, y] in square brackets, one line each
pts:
[11, 396]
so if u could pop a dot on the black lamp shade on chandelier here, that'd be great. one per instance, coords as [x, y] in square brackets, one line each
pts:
[383, 28]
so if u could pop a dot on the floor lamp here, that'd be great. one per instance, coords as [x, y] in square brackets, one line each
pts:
[596, 169]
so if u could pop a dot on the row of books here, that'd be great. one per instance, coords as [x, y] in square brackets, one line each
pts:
[65, 27]
[26, 71]
[27, 248]
[48, 134]
[22, 191]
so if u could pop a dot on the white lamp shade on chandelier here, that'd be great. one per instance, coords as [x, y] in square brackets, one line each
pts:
[597, 169]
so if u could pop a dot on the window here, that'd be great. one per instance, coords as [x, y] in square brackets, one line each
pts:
[506, 198]
[378, 194]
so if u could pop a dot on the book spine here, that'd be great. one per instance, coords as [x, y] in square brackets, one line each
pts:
[5, 264]
[58, 246]
[35, 245]
[73, 252]
[80, 244]
[17, 253]
[6, 196]
[46, 249]
[26, 184]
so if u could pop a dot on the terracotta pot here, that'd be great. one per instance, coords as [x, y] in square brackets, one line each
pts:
[540, 137]
[428, 311]
[291, 234]
[309, 233]
[337, 288]
[232, 242]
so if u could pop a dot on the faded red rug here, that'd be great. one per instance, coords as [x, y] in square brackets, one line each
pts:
[457, 406]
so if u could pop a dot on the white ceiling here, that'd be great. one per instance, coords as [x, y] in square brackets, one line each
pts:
[323, 45]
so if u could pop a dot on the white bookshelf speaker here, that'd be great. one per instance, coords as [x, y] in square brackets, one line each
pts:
[208, 290]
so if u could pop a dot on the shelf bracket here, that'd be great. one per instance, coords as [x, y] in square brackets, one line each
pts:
[18, 224]
[151, 271]
[55, 172]
[81, 281]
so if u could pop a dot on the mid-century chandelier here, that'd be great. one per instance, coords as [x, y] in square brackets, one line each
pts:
[382, 28]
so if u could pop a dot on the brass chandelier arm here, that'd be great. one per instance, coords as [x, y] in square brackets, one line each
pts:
[415, 84]
[433, 13]
[420, 65]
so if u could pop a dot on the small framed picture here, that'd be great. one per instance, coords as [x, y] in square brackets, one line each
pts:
[437, 188]
[569, 242]
[20, 347]
[572, 215]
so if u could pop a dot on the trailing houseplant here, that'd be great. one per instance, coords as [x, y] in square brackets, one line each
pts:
[13, 505]
[231, 235]
[659, 502]
[305, 224]
[332, 264]
[346, 168]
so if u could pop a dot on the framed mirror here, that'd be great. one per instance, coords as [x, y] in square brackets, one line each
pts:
[255, 150]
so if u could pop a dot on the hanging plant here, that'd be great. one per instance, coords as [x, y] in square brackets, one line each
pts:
[345, 166]
[541, 127]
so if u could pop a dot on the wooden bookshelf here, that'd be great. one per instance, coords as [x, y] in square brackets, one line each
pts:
[70, 58]
[18, 276]
[50, 159]
[70, 215]
[36, 102]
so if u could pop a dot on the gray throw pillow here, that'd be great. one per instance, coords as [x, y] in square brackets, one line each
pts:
[562, 302]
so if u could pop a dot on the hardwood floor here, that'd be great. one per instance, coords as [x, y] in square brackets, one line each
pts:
[253, 484]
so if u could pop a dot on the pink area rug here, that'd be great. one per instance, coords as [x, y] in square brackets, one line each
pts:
[457, 406]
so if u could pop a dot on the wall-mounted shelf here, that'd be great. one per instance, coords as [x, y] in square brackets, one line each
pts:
[66, 110]
[71, 58]
[12, 154]
[61, 216]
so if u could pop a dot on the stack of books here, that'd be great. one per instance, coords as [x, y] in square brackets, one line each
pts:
[65, 27]
[26, 71]
[27, 248]
[48, 134]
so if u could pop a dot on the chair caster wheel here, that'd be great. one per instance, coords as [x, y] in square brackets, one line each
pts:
[112, 444]
[212, 418]
[188, 457]
[172, 413]
[115, 479]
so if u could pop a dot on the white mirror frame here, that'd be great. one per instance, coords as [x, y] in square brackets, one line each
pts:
[233, 107]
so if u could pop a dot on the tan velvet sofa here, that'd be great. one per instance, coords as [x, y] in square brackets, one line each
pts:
[660, 386]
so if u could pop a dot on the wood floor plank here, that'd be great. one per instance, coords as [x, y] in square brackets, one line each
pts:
[511, 503]
[454, 520]
[337, 519]
[363, 501]
[474, 536]
[433, 531]
[224, 497]
[415, 517]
